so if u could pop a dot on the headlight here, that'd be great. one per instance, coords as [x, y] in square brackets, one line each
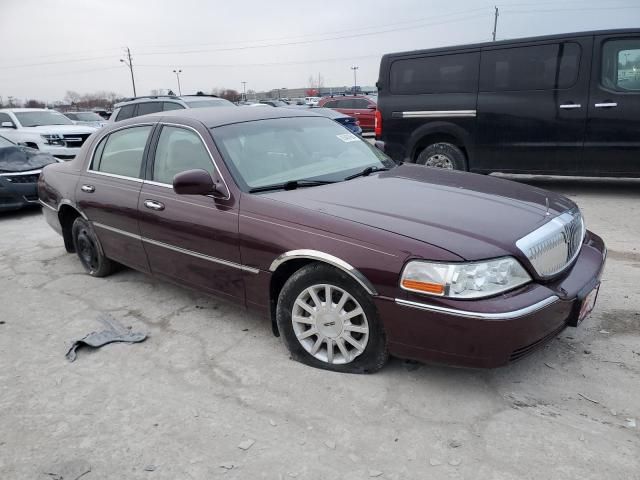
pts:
[53, 139]
[464, 280]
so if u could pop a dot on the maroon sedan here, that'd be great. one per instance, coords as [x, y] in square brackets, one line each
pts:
[351, 256]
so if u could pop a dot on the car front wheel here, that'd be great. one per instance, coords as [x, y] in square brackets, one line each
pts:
[327, 320]
[88, 248]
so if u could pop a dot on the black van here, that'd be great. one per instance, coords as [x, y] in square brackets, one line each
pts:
[562, 104]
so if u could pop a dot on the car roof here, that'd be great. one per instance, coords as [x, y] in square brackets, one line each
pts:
[217, 116]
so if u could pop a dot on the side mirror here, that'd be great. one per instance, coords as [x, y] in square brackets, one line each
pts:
[7, 125]
[198, 182]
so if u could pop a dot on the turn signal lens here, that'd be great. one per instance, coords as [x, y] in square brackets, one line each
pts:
[433, 288]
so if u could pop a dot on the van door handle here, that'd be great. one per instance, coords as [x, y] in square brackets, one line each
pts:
[88, 188]
[606, 105]
[153, 205]
[570, 106]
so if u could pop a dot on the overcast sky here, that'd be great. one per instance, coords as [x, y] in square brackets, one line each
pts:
[51, 46]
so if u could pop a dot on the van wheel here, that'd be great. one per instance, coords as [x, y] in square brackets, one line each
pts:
[442, 155]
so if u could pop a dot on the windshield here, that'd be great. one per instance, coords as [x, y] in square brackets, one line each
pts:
[280, 150]
[5, 143]
[87, 117]
[45, 117]
[214, 102]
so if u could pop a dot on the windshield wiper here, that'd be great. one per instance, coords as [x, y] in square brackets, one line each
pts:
[367, 171]
[291, 185]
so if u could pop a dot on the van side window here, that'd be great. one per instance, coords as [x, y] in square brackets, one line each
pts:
[538, 67]
[121, 152]
[621, 65]
[456, 73]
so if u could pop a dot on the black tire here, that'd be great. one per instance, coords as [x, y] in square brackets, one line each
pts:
[445, 153]
[89, 250]
[375, 353]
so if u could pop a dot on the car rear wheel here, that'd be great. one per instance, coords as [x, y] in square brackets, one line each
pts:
[329, 321]
[88, 248]
[442, 155]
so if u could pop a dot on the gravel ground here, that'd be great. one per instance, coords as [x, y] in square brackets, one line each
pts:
[211, 392]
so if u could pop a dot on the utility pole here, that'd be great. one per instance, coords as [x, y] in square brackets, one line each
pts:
[129, 63]
[178, 72]
[244, 91]
[495, 22]
[355, 82]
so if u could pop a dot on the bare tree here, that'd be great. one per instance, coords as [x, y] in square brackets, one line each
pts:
[31, 103]
[72, 97]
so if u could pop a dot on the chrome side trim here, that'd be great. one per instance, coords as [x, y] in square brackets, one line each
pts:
[481, 315]
[158, 184]
[437, 113]
[178, 249]
[113, 175]
[326, 258]
[44, 204]
[18, 174]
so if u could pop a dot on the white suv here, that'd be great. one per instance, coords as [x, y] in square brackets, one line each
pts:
[45, 130]
[137, 106]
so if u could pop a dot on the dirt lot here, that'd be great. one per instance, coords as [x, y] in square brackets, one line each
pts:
[211, 376]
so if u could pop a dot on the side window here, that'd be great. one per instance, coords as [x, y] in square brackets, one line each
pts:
[621, 65]
[454, 73]
[171, 106]
[178, 150]
[538, 67]
[331, 104]
[126, 112]
[360, 103]
[121, 152]
[149, 107]
[4, 117]
[345, 103]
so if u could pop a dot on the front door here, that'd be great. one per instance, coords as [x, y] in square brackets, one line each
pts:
[108, 192]
[612, 143]
[532, 106]
[192, 239]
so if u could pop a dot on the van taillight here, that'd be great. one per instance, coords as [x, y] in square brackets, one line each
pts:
[378, 124]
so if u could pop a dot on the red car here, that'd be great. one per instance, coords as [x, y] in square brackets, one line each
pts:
[361, 107]
[353, 257]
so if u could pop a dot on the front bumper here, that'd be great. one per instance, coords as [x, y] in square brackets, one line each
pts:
[491, 332]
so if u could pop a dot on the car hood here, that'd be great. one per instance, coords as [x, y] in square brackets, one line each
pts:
[473, 216]
[22, 159]
[61, 129]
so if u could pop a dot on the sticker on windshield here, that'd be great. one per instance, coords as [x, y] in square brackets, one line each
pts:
[347, 137]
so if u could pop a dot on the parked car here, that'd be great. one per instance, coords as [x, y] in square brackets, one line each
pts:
[45, 130]
[312, 101]
[135, 107]
[297, 101]
[559, 104]
[274, 103]
[19, 170]
[362, 107]
[346, 121]
[90, 119]
[352, 256]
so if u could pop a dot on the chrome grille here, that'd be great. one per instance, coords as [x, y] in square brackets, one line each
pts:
[553, 246]
[75, 140]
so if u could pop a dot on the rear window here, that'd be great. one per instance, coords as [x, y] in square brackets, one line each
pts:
[125, 112]
[537, 67]
[455, 73]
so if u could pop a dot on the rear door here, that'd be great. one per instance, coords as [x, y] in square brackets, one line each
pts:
[192, 239]
[612, 143]
[108, 193]
[532, 106]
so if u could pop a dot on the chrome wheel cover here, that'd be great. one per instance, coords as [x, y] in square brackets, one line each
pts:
[439, 160]
[330, 324]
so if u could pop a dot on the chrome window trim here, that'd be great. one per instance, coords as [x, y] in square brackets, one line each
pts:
[213, 160]
[18, 174]
[326, 258]
[480, 315]
[435, 113]
[157, 184]
[178, 249]
[113, 175]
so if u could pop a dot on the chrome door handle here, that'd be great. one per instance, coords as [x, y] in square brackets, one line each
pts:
[570, 106]
[153, 205]
[88, 188]
[606, 105]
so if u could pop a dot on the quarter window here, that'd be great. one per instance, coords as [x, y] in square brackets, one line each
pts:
[4, 117]
[538, 67]
[456, 73]
[621, 65]
[179, 150]
[172, 106]
[149, 107]
[121, 153]
[125, 112]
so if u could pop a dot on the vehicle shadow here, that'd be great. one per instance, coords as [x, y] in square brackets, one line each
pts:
[620, 187]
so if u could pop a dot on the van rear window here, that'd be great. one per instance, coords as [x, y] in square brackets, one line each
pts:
[455, 73]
